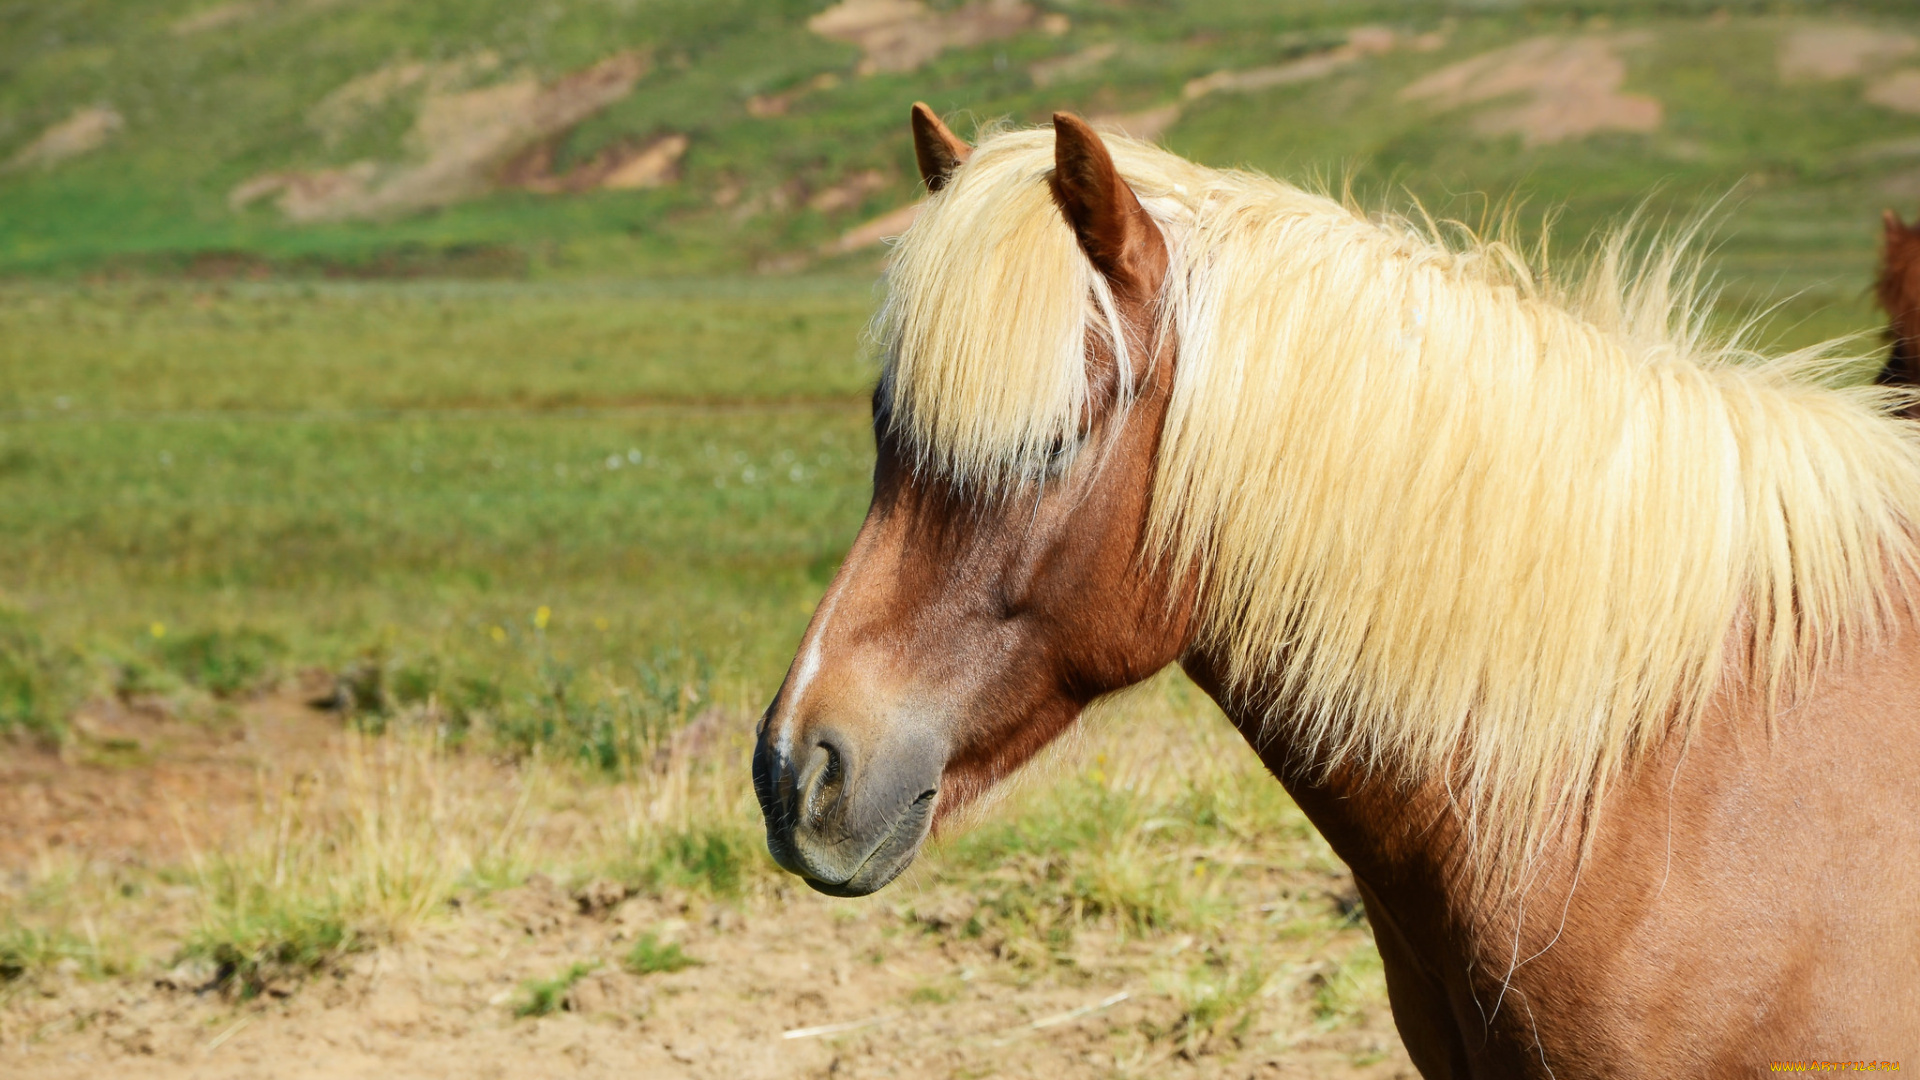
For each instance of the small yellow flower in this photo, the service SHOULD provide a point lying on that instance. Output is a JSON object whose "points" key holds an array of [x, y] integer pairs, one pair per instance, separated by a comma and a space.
{"points": [[498, 633], [158, 630], [600, 623], [542, 615]]}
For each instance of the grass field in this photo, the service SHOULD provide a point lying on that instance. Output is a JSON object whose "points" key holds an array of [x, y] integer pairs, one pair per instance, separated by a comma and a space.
{"points": [[412, 473], [523, 532]]}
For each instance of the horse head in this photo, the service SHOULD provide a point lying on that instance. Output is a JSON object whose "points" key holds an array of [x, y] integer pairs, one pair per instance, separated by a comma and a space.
{"points": [[972, 622]]}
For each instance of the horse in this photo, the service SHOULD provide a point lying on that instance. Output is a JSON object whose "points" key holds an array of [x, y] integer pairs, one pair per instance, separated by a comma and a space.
{"points": [[1898, 290], [1584, 637]]}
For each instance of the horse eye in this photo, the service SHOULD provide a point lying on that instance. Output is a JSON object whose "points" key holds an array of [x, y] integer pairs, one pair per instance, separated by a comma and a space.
{"points": [[1059, 454]]}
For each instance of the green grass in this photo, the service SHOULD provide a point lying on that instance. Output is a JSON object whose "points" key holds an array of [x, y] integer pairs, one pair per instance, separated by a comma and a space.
{"points": [[224, 662], [649, 956], [714, 858], [1348, 986], [265, 942], [1086, 859], [40, 683], [932, 994], [26, 951], [1217, 1000], [362, 353], [545, 997]]}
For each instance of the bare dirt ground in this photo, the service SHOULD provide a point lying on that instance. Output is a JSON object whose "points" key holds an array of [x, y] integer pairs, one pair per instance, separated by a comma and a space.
{"points": [[140, 786], [1570, 88], [903, 35], [85, 131], [786, 984], [1821, 52], [462, 140]]}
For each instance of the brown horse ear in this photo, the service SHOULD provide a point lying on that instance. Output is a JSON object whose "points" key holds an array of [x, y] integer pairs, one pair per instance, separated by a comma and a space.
{"points": [[939, 150], [1895, 227], [1114, 229]]}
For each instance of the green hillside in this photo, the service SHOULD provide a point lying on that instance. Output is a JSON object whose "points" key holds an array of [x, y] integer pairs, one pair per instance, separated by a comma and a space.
{"points": [[657, 137]]}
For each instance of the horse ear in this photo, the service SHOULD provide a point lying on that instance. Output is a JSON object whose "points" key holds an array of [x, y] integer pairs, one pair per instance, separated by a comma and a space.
{"points": [[1114, 229], [939, 150], [1895, 227]]}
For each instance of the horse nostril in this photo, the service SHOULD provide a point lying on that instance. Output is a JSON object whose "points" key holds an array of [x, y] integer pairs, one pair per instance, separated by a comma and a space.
{"points": [[829, 781]]}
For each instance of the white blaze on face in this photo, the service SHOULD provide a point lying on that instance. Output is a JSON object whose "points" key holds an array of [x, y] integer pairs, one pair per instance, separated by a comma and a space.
{"points": [[809, 666]]}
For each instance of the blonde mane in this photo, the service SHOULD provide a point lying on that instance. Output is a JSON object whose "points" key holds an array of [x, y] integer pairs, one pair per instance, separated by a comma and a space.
{"points": [[1470, 526]]}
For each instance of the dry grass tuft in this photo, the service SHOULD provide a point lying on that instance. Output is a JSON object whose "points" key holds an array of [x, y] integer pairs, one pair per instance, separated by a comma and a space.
{"points": [[356, 853]]}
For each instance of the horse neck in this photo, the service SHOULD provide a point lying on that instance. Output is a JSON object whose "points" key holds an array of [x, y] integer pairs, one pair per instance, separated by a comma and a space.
{"points": [[1401, 840], [1410, 857]]}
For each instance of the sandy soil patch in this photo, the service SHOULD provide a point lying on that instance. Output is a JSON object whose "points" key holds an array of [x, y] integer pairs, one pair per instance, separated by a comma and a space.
{"points": [[1045, 73], [903, 35], [1146, 124], [1899, 91], [1568, 88], [849, 192], [141, 785], [1824, 53], [1902, 185], [765, 106], [653, 164], [621, 167], [336, 114], [87, 130], [1362, 42], [871, 233], [463, 140]]}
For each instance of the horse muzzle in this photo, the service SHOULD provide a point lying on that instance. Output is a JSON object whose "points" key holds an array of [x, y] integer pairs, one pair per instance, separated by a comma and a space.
{"points": [[845, 818]]}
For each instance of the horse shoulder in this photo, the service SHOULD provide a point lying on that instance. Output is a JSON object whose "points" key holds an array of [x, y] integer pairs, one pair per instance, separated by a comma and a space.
{"points": [[1756, 890]]}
